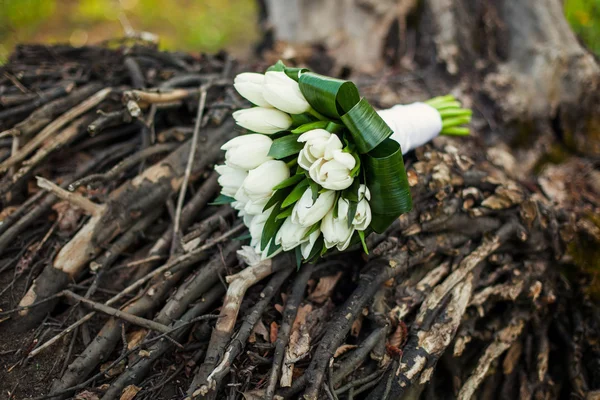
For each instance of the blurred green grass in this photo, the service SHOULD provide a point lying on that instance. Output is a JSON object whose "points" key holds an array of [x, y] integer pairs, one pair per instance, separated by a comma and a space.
{"points": [[190, 25], [584, 17]]}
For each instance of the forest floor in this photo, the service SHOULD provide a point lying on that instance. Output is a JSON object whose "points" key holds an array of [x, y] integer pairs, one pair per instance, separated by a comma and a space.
{"points": [[120, 279]]}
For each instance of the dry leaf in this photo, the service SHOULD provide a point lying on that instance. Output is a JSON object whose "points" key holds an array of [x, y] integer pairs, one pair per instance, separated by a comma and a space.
{"points": [[114, 371], [261, 330], [129, 392], [257, 394], [343, 349], [324, 288], [87, 395], [357, 326], [279, 308], [135, 337], [273, 333]]}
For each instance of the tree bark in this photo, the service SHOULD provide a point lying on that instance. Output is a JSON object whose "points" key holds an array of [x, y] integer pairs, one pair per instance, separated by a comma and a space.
{"points": [[521, 54]]}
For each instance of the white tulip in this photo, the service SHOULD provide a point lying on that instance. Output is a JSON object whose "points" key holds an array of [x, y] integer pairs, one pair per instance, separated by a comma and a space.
{"points": [[284, 93], [333, 174], [307, 213], [247, 151], [260, 181], [362, 218], [335, 230], [263, 120], [290, 235], [307, 247], [230, 179], [318, 143], [257, 224], [255, 207], [250, 86]]}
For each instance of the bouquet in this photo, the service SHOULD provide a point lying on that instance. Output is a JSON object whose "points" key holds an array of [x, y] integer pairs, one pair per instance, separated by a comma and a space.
{"points": [[320, 169]]}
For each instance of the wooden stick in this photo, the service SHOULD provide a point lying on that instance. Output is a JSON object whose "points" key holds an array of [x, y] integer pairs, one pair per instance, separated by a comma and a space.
{"points": [[143, 322], [54, 126], [73, 198]]}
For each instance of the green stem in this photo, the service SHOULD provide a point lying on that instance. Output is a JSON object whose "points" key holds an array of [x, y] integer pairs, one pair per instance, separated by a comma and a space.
{"points": [[455, 131], [452, 122], [317, 115], [453, 112]]}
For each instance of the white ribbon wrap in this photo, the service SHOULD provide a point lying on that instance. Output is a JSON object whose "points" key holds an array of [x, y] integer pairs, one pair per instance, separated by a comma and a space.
{"points": [[413, 124]]}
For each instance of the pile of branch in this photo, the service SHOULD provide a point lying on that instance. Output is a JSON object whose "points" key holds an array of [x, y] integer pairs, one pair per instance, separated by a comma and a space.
{"points": [[117, 272]]}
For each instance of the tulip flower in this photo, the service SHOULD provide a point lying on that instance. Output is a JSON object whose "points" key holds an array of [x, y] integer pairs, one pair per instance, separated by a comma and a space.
{"points": [[362, 218], [318, 143], [256, 227], [260, 181], [307, 247], [250, 86], [283, 93], [247, 151], [307, 213], [290, 235], [334, 174], [263, 120], [335, 230], [255, 207], [230, 179]]}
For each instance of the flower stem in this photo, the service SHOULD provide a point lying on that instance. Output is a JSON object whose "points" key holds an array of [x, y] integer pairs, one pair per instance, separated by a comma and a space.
{"points": [[317, 115]]}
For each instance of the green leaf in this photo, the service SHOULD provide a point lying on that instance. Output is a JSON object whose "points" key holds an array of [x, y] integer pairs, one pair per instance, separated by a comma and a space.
{"points": [[295, 194], [278, 66], [352, 206], [329, 96], [277, 197], [312, 229], [222, 199], [298, 252], [273, 248], [314, 187], [367, 128], [361, 234], [292, 180], [388, 183], [332, 127], [351, 193], [294, 72], [301, 119], [310, 126], [285, 146], [285, 213], [316, 250], [271, 227], [243, 237]]}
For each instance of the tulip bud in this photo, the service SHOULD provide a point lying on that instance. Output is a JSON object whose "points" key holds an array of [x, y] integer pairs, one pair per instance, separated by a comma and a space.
{"points": [[283, 93], [230, 179], [260, 181], [263, 120], [250, 86], [335, 230], [318, 144], [334, 174], [362, 218], [307, 213], [247, 151], [307, 247], [290, 235]]}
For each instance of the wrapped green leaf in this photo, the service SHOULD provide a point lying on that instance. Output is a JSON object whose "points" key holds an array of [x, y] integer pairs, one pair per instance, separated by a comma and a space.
{"points": [[329, 96], [367, 128], [386, 179]]}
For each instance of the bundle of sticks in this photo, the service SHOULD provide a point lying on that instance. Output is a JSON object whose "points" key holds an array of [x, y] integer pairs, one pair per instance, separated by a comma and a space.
{"points": [[121, 279]]}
